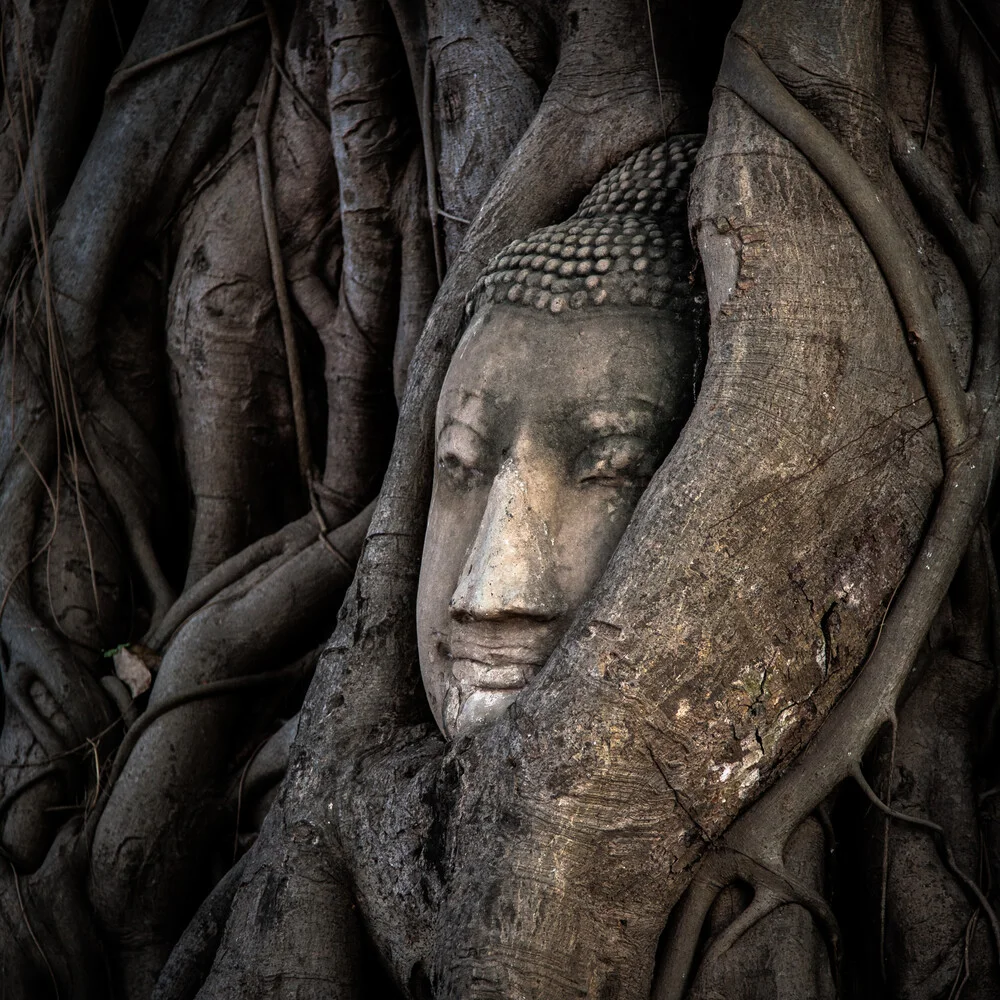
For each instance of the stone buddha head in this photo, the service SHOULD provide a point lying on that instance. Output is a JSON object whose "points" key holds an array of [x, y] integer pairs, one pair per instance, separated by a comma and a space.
{"points": [[571, 382]]}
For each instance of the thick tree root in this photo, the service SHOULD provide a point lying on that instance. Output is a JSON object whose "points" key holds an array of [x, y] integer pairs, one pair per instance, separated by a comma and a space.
{"points": [[970, 454]]}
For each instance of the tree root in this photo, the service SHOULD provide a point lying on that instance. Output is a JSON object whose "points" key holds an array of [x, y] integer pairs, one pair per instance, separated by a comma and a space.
{"points": [[173, 776], [261, 138], [744, 72], [138, 69], [31, 932], [272, 550], [970, 885], [970, 457], [63, 114], [192, 956], [213, 689]]}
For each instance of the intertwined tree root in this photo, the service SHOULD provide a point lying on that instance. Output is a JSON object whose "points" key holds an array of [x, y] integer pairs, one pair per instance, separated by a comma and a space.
{"points": [[753, 849]]}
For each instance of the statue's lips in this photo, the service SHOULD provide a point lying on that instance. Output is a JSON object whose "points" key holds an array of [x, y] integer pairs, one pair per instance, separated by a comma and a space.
{"points": [[489, 656], [472, 674]]}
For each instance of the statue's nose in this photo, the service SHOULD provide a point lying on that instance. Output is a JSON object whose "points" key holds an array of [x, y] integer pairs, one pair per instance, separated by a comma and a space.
{"points": [[510, 571]]}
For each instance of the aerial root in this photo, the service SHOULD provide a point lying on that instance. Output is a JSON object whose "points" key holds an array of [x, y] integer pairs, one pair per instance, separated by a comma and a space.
{"points": [[772, 888], [138, 69], [31, 932], [970, 885], [265, 179], [833, 754], [122, 494], [17, 694], [192, 956], [45, 771], [747, 75], [278, 547], [262, 144]]}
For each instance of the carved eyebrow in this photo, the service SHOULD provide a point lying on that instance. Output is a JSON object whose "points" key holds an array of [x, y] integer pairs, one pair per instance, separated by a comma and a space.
{"points": [[450, 422], [466, 411]]}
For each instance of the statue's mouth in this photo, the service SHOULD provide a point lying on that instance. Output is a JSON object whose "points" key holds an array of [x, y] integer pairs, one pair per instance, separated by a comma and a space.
{"points": [[491, 676], [497, 662], [489, 664]]}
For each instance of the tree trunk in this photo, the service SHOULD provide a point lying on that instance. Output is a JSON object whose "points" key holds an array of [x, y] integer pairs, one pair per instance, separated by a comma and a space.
{"points": [[236, 245]]}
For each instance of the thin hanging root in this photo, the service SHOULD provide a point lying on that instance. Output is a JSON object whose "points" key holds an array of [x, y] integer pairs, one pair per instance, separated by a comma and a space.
{"points": [[884, 893], [970, 453], [131, 72], [31, 932], [57, 765], [239, 795], [962, 973], [262, 142], [64, 406], [946, 853], [120, 493], [430, 162], [279, 65]]}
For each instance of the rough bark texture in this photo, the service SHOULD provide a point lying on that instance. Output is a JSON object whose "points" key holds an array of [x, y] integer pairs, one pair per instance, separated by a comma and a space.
{"points": [[235, 245]]}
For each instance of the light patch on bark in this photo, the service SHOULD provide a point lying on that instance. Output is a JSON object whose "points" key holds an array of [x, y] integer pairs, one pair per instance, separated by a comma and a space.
{"points": [[721, 259]]}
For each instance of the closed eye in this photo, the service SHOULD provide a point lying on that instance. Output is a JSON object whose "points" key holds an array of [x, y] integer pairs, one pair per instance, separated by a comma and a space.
{"points": [[617, 459], [462, 454]]}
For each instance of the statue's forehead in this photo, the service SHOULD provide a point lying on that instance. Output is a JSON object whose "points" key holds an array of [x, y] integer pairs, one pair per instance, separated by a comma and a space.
{"points": [[508, 355]]}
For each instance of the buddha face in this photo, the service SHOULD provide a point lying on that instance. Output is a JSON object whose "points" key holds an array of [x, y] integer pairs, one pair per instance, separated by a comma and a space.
{"points": [[548, 429]]}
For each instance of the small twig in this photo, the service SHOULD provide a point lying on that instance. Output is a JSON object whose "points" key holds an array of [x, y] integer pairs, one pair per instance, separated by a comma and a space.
{"points": [[656, 66], [885, 851], [945, 848], [261, 136], [930, 103], [137, 69], [430, 163], [31, 932], [454, 218], [97, 772], [239, 793]]}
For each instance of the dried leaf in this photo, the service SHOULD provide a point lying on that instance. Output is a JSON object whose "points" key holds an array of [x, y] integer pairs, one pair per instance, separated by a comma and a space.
{"points": [[134, 666]]}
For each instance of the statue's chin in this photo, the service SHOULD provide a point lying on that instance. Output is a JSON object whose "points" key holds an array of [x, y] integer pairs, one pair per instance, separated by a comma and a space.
{"points": [[464, 714]]}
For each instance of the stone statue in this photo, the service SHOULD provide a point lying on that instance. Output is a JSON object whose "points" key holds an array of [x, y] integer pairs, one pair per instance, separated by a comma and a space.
{"points": [[573, 378]]}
